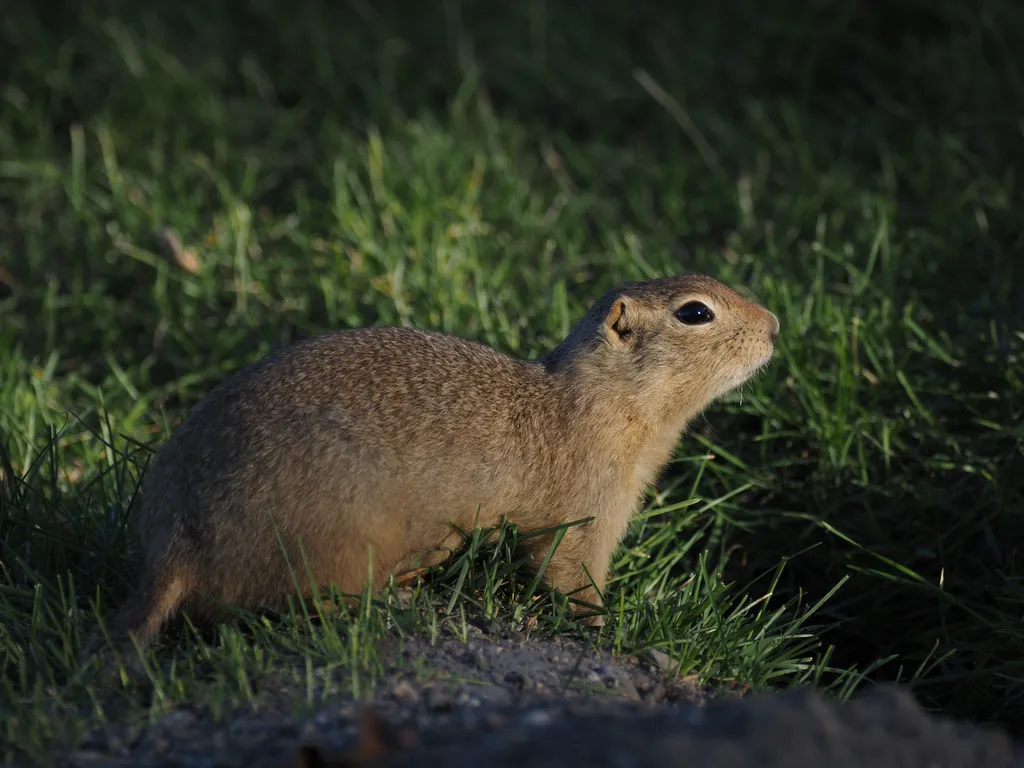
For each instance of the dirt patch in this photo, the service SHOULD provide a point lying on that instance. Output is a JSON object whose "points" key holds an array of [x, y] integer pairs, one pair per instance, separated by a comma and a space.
{"points": [[471, 684], [514, 701]]}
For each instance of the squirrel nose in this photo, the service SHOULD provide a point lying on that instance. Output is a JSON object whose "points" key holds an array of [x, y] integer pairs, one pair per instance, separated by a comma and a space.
{"points": [[773, 329]]}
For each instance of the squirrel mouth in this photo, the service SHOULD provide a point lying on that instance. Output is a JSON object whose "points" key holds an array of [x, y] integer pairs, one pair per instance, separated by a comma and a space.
{"points": [[765, 360], [756, 367]]}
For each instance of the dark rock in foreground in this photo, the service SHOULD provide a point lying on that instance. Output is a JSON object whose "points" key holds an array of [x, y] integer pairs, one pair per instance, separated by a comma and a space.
{"points": [[797, 729]]}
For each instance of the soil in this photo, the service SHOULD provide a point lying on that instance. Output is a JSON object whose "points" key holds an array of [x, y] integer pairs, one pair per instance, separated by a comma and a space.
{"points": [[517, 701]]}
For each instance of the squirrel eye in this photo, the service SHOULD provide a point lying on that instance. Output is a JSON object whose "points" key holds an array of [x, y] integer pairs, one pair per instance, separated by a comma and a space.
{"points": [[695, 313]]}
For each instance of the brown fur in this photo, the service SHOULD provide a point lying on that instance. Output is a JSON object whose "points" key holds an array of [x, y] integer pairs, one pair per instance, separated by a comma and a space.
{"points": [[374, 439]]}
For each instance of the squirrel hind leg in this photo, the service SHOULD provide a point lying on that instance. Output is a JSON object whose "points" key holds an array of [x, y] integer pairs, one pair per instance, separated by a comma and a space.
{"points": [[142, 616]]}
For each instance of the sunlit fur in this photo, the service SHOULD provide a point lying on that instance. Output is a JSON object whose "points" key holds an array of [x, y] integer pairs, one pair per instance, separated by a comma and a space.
{"points": [[373, 440]]}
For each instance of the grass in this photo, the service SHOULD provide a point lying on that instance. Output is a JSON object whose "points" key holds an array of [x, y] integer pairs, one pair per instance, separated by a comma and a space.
{"points": [[852, 515]]}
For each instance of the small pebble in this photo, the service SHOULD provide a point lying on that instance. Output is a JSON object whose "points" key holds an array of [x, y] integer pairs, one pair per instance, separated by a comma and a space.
{"points": [[674, 692], [660, 659], [617, 679], [439, 699], [655, 692], [405, 692]]}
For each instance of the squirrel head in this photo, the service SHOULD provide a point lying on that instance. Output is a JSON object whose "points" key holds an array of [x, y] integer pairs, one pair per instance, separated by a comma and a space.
{"points": [[669, 346]]}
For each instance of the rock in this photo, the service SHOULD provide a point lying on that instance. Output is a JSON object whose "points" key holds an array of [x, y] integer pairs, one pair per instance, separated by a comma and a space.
{"points": [[682, 691], [654, 692], [660, 659], [797, 729], [616, 678], [405, 692], [438, 700]]}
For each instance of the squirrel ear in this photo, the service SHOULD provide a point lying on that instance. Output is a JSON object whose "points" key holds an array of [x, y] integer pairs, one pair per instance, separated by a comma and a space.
{"points": [[618, 322]]}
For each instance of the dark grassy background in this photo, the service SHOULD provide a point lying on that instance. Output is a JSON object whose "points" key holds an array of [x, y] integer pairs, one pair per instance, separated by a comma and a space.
{"points": [[488, 170]]}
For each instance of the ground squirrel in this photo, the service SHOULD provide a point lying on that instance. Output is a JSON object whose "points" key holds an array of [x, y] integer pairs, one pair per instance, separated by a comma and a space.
{"points": [[378, 439]]}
